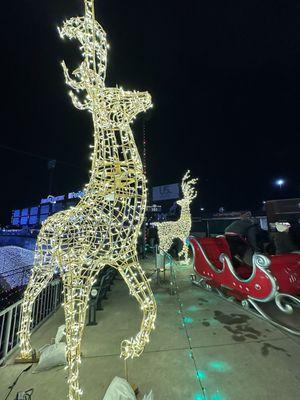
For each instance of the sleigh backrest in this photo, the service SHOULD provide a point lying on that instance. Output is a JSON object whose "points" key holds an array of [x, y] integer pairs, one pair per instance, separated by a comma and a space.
{"points": [[214, 247], [223, 245]]}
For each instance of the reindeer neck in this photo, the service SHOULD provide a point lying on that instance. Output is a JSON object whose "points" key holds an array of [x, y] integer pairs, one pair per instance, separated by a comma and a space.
{"points": [[185, 208], [115, 152]]}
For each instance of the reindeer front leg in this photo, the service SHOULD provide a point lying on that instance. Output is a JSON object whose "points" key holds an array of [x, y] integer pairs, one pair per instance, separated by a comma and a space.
{"points": [[139, 287], [185, 250]]}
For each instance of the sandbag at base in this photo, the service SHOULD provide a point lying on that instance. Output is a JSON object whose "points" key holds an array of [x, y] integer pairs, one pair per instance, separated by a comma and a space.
{"points": [[52, 356], [120, 389], [61, 332]]}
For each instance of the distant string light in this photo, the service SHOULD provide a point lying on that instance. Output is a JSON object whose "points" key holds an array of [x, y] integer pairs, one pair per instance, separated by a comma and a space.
{"points": [[15, 265]]}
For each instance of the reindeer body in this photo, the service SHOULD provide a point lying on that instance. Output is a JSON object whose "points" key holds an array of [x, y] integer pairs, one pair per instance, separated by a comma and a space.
{"points": [[103, 227], [170, 230]]}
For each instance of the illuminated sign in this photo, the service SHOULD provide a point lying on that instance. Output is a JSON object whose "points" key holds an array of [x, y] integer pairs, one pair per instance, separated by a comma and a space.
{"points": [[165, 192], [76, 195], [53, 199]]}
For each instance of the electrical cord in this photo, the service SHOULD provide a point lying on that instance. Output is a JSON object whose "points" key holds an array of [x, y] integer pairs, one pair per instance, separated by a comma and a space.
{"points": [[16, 380], [41, 157]]}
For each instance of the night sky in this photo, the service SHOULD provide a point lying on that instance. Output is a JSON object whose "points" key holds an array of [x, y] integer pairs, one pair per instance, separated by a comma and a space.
{"points": [[225, 82]]}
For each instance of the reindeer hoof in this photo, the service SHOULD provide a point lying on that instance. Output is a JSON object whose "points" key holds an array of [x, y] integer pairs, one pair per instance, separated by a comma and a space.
{"points": [[31, 357], [129, 349], [126, 349]]}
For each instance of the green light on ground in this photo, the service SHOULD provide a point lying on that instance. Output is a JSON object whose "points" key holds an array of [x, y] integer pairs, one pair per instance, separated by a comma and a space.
{"points": [[193, 309], [188, 320], [198, 396], [217, 396], [219, 366], [201, 374]]}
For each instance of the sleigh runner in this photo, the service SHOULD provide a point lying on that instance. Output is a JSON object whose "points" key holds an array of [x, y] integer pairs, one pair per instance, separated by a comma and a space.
{"points": [[271, 280]]}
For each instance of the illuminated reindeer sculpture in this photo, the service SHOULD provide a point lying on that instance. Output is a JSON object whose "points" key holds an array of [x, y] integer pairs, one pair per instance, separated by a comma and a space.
{"points": [[170, 230], [103, 228]]}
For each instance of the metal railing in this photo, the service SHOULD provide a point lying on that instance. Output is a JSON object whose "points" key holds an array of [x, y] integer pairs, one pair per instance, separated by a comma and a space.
{"points": [[45, 305]]}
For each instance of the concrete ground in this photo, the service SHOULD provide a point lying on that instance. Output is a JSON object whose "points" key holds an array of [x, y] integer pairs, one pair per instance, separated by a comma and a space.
{"points": [[203, 348]]}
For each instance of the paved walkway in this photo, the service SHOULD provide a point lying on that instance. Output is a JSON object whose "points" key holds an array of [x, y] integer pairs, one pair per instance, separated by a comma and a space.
{"points": [[203, 348]]}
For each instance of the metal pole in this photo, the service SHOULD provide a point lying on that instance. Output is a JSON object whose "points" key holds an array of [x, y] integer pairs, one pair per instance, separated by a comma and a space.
{"points": [[156, 263], [126, 369], [50, 180]]}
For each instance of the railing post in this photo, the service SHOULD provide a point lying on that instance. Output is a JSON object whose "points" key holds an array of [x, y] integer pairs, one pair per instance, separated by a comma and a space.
{"points": [[7, 332], [55, 296]]}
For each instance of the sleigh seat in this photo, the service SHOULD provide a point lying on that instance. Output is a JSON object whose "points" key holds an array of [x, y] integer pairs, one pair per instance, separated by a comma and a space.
{"points": [[216, 246]]}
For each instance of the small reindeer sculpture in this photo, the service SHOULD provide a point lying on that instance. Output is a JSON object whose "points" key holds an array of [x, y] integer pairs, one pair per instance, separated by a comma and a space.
{"points": [[103, 227], [170, 230]]}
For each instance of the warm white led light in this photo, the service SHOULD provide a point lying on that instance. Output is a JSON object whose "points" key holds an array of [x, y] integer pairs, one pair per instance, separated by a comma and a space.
{"points": [[103, 228], [170, 230]]}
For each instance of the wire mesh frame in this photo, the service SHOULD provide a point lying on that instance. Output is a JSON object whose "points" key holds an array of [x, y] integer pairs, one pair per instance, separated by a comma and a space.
{"points": [[102, 229]]}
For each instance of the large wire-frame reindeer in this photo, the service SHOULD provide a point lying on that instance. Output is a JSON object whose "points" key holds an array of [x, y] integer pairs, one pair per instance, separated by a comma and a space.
{"points": [[103, 227], [170, 230]]}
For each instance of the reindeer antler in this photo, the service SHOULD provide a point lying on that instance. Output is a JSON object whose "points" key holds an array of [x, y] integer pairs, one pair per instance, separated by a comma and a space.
{"points": [[187, 186]]}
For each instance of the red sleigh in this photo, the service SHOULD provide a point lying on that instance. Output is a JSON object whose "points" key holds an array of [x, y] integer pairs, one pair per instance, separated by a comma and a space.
{"points": [[272, 279]]}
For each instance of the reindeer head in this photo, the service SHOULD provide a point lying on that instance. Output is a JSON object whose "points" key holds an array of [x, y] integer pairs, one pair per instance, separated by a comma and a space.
{"points": [[122, 106], [188, 190], [113, 106]]}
